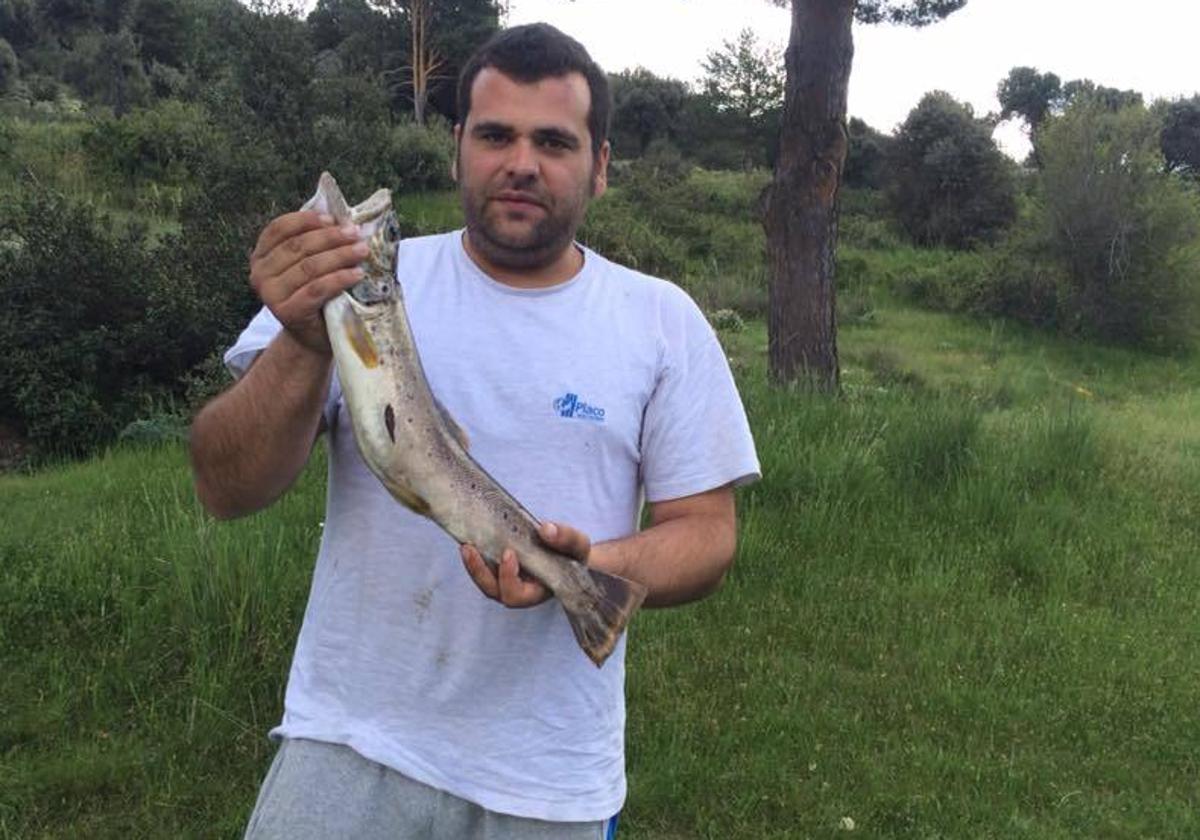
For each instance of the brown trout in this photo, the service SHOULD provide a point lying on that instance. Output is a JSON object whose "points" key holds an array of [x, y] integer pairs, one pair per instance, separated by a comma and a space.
{"points": [[420, 454]]}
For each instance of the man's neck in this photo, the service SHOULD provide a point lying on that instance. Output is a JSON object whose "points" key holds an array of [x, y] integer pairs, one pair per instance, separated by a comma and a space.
{"points": [[565, 266]]}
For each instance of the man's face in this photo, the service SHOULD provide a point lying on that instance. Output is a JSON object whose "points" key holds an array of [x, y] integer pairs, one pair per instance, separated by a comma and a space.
{"points": [[525, 167]]}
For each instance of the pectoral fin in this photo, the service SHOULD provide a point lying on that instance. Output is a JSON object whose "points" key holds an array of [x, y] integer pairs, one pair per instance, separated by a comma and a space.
{"points": [[360, 339], [408, 498]]}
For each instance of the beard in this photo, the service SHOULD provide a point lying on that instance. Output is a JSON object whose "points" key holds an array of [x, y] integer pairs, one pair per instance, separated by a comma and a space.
{"points": [[509, 242]]}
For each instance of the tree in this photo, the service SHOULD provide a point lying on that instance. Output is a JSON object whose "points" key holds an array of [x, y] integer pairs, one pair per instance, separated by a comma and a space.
{"points": [[866, 156], [746, 81], [950, 185], [441, 35], [1111, 98], [645, 108], [1180, 137], [9, 67], [1030, 95], [1123, 232], [18, 24], [801, 206]]}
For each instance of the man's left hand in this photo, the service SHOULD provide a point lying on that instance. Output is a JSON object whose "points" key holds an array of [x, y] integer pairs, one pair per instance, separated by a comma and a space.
{"points": [[508, 584]]}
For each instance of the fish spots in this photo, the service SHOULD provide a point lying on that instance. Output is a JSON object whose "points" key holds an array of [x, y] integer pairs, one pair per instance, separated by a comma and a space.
{"points": [[360, 340], [389, 420], [443, 659]]}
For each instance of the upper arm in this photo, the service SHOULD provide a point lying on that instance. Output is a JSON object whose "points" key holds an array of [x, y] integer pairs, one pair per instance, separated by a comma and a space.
{"points": [[716, 504]]}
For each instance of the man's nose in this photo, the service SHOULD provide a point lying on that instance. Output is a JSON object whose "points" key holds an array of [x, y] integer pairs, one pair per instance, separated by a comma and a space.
{"points": [[522, 160]]}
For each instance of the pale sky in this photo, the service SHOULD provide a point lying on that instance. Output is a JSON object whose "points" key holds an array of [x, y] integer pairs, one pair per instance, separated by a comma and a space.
{"points": [[1149, 46]]}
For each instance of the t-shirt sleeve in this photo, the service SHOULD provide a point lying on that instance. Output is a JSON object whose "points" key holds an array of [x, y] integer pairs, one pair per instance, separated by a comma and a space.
{"points": [[260, 332], [695, 436]]}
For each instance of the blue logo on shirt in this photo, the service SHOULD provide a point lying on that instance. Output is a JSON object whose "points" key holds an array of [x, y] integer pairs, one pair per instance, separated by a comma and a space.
{"points": [[569, 405]]}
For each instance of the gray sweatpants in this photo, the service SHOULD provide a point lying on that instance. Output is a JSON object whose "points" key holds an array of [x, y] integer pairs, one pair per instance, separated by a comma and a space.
{"points": [[320, 791]]}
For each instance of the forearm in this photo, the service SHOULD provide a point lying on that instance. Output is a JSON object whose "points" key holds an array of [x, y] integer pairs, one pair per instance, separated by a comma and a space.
{"points": [[250, 443], [678, 560]]}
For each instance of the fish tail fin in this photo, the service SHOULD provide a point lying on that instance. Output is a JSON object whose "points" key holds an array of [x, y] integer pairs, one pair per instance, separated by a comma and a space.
{"points": [[600, 614]]}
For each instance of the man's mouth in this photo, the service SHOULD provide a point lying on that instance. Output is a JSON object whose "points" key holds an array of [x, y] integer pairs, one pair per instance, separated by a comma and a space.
{"points": [[517, 200]]}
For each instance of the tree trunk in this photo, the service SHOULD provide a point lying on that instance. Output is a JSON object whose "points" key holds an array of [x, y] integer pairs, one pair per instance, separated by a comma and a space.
{"points": [[418, 19], [801, 211]]}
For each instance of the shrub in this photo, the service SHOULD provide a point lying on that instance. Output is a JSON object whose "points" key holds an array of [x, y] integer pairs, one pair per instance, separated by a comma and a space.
{"points": [[98, 324], [166, 143], [950, 185], [417, 157]]}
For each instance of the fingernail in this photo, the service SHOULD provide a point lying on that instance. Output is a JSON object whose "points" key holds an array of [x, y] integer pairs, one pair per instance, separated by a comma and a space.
{"points": [[326, 219], [350, 230], [360, 249], [549, 530]]}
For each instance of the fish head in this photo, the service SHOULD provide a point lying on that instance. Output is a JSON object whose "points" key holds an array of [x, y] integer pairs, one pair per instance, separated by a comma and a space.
{"points": [[376, 221], [378, 284]]}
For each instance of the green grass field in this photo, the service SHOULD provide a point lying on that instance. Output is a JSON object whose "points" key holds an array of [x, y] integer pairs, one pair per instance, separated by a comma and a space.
{"points": [[964, 606]]}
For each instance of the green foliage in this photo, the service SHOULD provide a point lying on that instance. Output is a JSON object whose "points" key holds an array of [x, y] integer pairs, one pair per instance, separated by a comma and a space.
{"points": [[1030, 95], [950, 184], [726, 320], [645, 108], [165, 143], [746, 81], [1123, 233], [1181, 136], [913, 13], [418, 157], [10, 69], [98, 323], [866, 157], [106, 68]]}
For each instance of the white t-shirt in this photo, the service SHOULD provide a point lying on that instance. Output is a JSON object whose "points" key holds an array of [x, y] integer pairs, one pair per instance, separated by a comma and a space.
{"points": [[576, 399]]}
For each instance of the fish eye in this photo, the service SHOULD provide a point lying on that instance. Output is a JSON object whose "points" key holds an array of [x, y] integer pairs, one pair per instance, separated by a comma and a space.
{"points": [[392, 228]]}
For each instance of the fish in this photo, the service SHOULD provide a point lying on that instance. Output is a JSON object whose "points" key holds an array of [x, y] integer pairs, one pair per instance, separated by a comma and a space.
{"points": [[421, 455]]}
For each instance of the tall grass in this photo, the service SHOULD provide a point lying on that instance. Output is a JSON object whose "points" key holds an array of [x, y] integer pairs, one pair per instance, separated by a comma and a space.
{"points": [[951, 615]]}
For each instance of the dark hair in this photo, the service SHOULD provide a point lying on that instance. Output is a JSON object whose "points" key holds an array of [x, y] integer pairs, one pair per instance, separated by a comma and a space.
{"points": [[534, 52]]}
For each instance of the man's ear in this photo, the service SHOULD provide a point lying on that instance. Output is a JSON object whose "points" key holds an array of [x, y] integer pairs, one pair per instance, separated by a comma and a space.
{"points": [[454, 160], [600, 171]]}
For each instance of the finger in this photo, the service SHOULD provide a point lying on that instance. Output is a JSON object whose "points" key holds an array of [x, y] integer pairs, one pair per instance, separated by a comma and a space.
{"points": [[307, 301], [288, 226], [480, 572], [565, 539], [315, 266], [517, 590], [303, 258]]}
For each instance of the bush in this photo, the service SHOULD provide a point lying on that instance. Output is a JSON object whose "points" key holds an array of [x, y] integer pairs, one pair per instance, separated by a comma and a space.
{"points": [[98, 324], [417, 157], [166, 143], [950, 185]]}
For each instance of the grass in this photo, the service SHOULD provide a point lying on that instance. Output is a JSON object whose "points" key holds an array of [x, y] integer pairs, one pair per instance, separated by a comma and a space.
{"points": [[965, 605]]}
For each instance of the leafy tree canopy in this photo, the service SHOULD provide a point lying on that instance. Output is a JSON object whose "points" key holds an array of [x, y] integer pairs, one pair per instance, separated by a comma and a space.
{"points": [[1181, 136], [646, 107], [951, 184], [913, 13]]}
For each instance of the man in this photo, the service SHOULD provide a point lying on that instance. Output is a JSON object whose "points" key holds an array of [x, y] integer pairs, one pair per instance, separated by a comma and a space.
{"points": [[416, 708]]}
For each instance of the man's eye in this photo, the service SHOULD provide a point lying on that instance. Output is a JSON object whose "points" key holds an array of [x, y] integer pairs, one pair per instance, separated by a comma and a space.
{"points": [[494, 138], [555, 143]]}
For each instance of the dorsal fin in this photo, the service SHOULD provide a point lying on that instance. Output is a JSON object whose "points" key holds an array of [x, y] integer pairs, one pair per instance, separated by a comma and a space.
{"points": [[452, 426]]}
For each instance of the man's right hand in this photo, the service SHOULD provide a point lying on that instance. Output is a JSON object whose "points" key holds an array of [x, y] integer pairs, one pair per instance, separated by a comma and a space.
{"points": [[302, 260]]}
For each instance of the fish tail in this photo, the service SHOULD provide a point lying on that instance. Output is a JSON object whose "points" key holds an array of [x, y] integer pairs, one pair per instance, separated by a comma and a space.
{"points": [[601, 612]]}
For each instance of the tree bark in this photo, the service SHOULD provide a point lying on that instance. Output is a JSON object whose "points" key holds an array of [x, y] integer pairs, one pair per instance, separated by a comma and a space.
{"points": [[801, 206]]}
